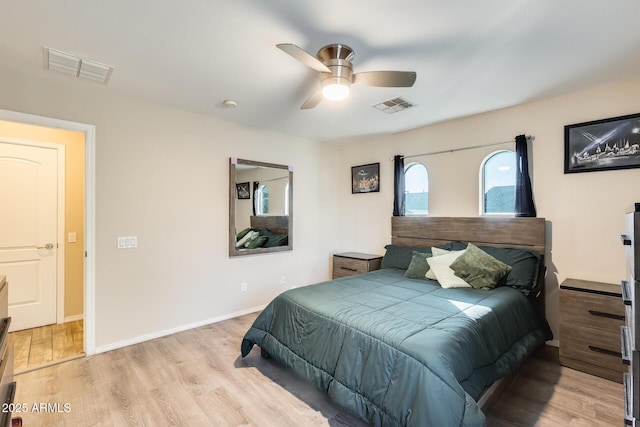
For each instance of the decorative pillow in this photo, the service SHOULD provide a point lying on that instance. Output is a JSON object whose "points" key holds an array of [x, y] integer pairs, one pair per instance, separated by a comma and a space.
{"points": [[525, 265], [256, 242], [455, 245], [248, 236], [400, 256], [277, 240], [243, 233], [479, 269], [444, 274], [419, 266], [436, 252]]}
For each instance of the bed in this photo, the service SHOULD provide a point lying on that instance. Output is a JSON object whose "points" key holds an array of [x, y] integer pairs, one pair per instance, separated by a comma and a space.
{"points": [[399, 351]]}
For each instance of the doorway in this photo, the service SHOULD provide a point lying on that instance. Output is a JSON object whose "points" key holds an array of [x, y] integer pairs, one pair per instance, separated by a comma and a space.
{"points": [[87, 234]]}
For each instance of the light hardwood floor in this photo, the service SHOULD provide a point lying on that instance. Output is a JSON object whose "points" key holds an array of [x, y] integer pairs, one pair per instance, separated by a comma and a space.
{"points": [[545, 394], [197, 378], [37, 347]]}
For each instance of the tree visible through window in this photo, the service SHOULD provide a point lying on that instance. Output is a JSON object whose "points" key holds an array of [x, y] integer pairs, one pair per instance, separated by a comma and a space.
{"points": [[498, 181], [416, 189]]}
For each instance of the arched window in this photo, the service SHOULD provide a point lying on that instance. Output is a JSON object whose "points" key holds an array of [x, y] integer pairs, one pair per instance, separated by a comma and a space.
{"points": [[498, 183], [416, 189], [262, 200]]}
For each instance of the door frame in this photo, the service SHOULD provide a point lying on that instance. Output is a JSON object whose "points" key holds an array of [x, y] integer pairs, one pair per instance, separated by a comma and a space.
{"points": [[89, 210], [60, 224]]}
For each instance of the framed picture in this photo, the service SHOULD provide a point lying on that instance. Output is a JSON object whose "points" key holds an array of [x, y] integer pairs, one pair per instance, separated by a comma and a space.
{"points": [[602, 144], [365, 178], [243, 190]]}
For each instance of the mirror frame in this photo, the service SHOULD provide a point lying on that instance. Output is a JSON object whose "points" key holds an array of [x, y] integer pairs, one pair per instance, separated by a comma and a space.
{"points": [[233, 252]]}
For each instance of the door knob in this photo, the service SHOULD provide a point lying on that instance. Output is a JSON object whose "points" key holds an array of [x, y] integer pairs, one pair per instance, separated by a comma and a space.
{"points": [[48, 246]]}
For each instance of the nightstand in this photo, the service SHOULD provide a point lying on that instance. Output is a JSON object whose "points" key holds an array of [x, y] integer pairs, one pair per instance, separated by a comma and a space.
{"points": [[351, 263], [591, 314]]}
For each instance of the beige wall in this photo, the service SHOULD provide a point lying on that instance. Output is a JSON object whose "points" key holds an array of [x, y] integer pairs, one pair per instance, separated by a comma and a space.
{"points": [[162, 175], [74, 204], [584, 211]]}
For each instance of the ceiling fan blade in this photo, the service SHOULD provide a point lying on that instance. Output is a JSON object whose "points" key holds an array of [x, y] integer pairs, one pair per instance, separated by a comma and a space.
{"points": [[312, 101], [303, 56], [385, 78]]}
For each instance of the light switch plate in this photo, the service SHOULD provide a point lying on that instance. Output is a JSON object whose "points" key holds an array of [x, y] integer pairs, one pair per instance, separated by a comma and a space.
{"points": [[72, 237], [127, 242]]}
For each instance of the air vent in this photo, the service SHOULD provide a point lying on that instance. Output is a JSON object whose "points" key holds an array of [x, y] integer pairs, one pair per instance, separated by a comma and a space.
{"points": [[69, 64], [393, 105]]}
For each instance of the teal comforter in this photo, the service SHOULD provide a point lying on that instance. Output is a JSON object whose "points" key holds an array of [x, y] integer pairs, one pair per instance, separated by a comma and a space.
{"points": [[396, 351]]}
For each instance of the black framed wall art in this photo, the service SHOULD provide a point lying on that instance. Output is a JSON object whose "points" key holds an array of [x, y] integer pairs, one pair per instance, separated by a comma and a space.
{"points": [[365, 178], [600, 145]]}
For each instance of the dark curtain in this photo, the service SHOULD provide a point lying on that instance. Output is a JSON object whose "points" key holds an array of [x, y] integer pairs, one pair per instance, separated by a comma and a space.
{"points": [[398, 186], [256, 185], [524, 195]]}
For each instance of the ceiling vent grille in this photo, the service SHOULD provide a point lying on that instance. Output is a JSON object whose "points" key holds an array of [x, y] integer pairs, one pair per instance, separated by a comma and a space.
{"points": [[394, 105], [72, 65]]}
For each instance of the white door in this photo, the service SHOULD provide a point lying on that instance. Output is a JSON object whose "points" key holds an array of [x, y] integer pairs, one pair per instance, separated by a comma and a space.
{"points": [[28, 230]]}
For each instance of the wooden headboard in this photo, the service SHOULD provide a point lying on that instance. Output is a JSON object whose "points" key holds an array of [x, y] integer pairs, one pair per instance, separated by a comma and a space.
{"points": [[277, 224], [525, 233]]}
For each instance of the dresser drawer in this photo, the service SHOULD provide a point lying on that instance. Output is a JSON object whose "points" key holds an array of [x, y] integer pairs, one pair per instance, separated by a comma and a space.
{"points": [[630, 291], [594, 346], [631, 382], [351, 263], [594, 311], [349, 266], [632, 248]]}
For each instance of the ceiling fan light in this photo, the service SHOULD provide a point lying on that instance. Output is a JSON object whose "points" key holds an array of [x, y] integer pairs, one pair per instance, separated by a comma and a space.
{"points": [[335, 88]]}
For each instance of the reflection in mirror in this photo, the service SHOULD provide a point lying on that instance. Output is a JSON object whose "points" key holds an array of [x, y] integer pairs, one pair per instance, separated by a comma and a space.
{"points": [[260, 200]]}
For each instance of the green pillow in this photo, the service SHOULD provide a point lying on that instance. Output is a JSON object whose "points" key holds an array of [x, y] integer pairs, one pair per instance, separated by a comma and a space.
{"points": [[275, 240], [419, 266], [399, 256], [258, 242], [479, 269], [524, 263], [241, 234]]}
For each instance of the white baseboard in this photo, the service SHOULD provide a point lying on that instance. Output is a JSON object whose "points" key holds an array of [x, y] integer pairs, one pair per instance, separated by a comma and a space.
{"points": [[74, 318], [553, 343], [154, 335]]}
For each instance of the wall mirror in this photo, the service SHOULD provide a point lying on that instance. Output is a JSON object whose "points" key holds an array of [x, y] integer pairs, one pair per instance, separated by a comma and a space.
{"points": [[260, 207]]}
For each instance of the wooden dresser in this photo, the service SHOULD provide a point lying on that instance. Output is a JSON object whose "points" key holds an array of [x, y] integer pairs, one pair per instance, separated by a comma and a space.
{"points": [[630, 333], [7, 385], [591, 314], [350, 263]]}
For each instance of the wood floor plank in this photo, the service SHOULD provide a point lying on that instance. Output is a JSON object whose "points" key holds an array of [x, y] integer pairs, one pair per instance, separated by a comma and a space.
{"points": [[47, 345], [21, 347], [197, 377]]}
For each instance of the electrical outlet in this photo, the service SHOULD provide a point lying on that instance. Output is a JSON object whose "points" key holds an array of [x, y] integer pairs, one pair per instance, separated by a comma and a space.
{"points": [[283, 280], [243, 287]]}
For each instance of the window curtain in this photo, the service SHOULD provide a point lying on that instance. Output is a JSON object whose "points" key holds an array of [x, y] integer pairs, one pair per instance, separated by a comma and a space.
{"points": [[398, 186], [524, 196], [256, 186]]}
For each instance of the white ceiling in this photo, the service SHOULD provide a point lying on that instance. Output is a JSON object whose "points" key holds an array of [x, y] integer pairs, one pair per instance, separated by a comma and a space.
{"points": [[470, 56]]}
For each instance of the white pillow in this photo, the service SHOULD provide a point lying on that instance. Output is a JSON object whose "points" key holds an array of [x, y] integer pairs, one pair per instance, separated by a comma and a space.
{"points": [[250, 235], [435, 252], [445, 275]]}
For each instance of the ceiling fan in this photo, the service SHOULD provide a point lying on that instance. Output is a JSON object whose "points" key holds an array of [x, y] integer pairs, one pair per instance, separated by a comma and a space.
{"points": [[333, 62]]}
